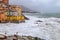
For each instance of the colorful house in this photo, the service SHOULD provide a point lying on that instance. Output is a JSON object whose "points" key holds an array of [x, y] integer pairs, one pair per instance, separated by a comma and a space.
{"points": [[10, 13], [5, 1]]}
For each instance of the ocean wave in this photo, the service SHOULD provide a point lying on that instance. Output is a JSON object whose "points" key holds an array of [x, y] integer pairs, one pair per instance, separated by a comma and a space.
{"points": [[46, 28]]}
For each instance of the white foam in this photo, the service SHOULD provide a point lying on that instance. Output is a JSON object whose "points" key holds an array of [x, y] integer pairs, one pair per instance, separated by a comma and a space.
{"points": [[49, 29]]}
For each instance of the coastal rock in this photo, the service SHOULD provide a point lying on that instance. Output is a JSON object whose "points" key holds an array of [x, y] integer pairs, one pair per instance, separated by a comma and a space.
{"points": [[39, 21], [17, 37], [26, 18], [3, 36]]}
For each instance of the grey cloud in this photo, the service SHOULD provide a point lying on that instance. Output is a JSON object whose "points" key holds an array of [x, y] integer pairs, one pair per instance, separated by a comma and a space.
{"points": [[39, 5]]}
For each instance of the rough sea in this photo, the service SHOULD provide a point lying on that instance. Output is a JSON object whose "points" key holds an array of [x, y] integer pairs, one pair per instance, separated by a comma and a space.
{"points": [[48, 29], [44, 15]]}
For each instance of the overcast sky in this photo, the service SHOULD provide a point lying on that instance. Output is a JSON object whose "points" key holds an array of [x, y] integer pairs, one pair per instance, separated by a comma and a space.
{"points": [[43, 6]]}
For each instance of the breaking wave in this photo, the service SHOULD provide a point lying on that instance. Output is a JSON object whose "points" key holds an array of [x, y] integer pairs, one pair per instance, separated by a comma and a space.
{"points": [[45, 28]]}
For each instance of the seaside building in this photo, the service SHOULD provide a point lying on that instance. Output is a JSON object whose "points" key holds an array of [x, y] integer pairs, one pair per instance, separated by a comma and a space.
{"points": [[5, 1]]}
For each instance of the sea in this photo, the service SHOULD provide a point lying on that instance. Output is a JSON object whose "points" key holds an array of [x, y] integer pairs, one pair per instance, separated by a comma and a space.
{"points": [[44, 15], [48, 29], [50, 25]]}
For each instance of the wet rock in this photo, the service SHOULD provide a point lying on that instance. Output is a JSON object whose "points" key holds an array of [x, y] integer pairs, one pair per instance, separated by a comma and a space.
{"points": [[36, 38], [39, 21], [2, 37], [26, 18], [16, 37]]}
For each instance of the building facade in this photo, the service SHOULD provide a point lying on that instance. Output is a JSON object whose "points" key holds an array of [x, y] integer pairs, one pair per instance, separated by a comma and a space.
{"points": [[5, 1]]}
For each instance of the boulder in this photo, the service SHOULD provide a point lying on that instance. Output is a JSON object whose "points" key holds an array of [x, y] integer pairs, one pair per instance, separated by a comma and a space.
{"points": [[39, 21], [2, 36], [26, 18]]}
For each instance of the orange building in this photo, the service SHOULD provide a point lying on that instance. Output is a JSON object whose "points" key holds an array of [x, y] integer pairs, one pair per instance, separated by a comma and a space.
{"points": [[5, 1], [3, 6]]}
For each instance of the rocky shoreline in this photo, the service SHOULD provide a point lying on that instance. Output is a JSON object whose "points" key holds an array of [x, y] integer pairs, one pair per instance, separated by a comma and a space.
{"points": [[17, 37]]}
